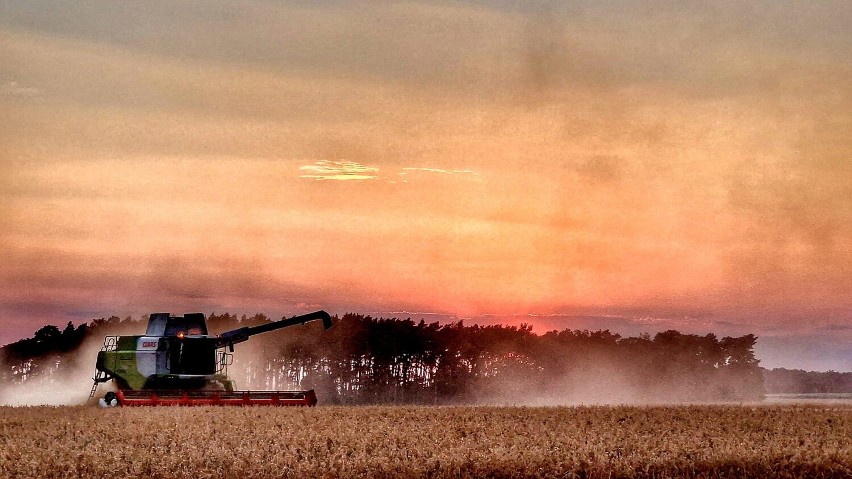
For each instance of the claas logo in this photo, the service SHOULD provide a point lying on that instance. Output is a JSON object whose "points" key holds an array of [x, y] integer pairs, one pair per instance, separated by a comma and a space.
{"points": [[149, 344]]}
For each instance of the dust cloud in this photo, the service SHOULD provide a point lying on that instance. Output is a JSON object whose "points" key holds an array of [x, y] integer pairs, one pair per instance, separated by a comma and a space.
{"points": [[604, 385], [67, 383]]}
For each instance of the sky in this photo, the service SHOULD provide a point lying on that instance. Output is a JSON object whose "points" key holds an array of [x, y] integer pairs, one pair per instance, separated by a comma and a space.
{"points": [[633, 166]]}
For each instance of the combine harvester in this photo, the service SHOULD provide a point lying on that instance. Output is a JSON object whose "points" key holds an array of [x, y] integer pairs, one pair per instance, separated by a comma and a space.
{"points": [[177, 363]]}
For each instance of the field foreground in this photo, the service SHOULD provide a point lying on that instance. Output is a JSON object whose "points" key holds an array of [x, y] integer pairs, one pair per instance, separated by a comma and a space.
{"points": [[683, 441]]}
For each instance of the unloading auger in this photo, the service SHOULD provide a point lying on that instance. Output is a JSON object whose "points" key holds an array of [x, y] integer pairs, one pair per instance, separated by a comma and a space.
{"points": [[177, 363]]}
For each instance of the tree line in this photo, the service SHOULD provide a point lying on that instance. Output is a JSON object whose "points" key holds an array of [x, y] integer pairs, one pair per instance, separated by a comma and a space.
{"points": [[366, 360], [797, 381]]}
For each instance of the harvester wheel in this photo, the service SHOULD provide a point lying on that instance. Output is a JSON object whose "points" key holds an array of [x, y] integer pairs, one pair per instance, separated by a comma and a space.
{"points": [[111, 399]]}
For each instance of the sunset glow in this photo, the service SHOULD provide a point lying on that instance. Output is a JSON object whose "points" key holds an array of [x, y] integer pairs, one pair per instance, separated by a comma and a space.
{"points": [[643, 169]]}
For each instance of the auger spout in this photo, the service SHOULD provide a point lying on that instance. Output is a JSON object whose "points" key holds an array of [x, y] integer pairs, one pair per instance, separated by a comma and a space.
{"points": [[230, 338]]}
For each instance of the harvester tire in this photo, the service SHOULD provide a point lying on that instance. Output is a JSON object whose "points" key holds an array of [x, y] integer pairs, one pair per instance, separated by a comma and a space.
{"points": [[111, 399]]}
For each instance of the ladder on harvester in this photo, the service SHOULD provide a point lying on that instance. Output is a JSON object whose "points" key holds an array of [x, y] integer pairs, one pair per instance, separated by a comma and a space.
{"points": [[223, 360], [102, 376]]}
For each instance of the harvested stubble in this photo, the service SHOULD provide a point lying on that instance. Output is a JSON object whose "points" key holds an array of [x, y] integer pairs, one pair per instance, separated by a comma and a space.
{"points": [[683, 441]]}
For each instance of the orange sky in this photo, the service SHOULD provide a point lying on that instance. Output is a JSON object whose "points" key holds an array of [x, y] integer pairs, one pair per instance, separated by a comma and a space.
{"points": [[679, 167]]}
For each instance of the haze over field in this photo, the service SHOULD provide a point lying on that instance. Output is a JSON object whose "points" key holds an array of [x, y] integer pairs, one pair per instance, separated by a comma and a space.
{"points": [[638, 167]]}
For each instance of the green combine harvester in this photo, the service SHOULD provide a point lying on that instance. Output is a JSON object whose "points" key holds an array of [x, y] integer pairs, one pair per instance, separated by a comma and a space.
{"points": [[177, 363]]}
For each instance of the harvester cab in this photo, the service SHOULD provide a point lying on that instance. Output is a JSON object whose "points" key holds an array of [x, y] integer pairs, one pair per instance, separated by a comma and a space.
{"points": [[177, 362]]}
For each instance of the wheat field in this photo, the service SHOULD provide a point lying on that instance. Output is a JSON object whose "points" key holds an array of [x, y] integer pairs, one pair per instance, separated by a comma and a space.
{"points": [[435, 442]]}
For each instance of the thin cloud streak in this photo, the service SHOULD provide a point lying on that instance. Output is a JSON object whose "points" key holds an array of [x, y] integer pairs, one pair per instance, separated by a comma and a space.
{"points": [[439, 170], [339, 170]]}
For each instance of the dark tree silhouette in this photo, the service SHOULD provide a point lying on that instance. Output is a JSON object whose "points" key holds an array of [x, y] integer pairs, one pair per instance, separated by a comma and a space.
{"points": [[780, 380]]}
